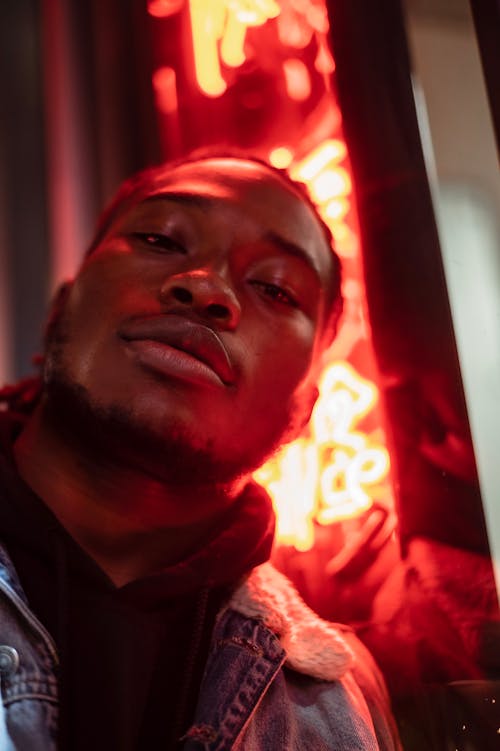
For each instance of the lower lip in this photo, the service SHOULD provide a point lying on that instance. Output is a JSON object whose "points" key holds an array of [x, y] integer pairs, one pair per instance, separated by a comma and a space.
{"points": [[171, 362]]}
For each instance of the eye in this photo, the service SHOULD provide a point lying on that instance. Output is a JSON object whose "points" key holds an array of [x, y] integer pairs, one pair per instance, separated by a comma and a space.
{"points": [[160, 243], [275, 293]]}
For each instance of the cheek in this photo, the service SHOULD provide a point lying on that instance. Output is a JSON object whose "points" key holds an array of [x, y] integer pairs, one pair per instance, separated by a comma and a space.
{"points": [[278, 364], [86, 322], [87, 329], [104, 291], [286, 352]]}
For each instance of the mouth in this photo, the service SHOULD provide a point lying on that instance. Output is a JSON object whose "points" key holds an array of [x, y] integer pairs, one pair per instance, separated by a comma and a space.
{"points": [[181, 347]]}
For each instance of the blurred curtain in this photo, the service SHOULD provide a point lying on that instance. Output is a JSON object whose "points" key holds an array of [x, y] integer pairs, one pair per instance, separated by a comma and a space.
{"points": [[23, 209], [99, 112], [77, 117]]}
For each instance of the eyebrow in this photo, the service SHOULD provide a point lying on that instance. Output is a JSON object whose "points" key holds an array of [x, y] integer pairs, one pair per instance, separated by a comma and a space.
{"points": [[291, 249], [204, 202]]}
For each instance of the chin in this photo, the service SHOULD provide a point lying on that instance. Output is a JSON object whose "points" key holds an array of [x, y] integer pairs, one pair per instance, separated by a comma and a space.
{"points": [[164, 448], [162, 436]]}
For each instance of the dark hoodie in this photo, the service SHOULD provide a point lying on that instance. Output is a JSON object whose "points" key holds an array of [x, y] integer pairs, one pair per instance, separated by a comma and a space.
{"points": [[131, 657]]}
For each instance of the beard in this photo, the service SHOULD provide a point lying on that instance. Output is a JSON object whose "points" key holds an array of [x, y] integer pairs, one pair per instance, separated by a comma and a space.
{"points": [[114, 434], [176, 456]]}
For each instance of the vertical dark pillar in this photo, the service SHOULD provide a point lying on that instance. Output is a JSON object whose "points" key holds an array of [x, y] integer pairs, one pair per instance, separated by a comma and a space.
{"points": [[22, 166], [433, 462], [486, 14]]}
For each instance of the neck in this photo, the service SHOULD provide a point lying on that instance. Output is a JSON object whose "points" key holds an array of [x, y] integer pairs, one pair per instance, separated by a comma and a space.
{"points": [[131, 523]]}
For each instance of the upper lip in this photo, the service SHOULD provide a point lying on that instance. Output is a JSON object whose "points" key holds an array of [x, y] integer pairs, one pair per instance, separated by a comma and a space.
{"points": [[189, 336]]}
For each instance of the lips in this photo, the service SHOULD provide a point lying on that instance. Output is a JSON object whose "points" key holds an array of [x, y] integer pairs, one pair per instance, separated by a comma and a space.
{"points": [[187, 336]]}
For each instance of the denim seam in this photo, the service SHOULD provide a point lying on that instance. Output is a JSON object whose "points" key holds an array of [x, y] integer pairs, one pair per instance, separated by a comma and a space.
{"points": [[259, 700], [22, 697], [34, 623]]}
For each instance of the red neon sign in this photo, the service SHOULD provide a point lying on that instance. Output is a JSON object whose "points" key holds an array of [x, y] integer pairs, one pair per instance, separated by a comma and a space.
{"points": [[333, 473]]}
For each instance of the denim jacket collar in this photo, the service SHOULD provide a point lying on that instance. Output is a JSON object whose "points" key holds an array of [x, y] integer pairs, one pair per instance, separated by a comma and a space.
{"points": [[313, 646], [264, 627]]}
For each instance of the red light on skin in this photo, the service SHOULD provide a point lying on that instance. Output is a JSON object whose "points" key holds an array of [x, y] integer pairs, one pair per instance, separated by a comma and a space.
{"points": [[297, 80], [280, 157], [165, 88], [164, 8]]}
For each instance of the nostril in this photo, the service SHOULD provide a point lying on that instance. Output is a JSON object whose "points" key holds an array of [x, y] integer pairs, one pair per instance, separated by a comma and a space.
{"points": [[181, 294], [218, 311]]}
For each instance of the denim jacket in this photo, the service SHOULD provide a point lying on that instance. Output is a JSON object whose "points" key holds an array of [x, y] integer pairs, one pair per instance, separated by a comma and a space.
{"points": [[277, 677]]}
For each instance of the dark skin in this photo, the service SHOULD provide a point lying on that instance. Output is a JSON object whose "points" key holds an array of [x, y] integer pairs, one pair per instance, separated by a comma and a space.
{"points": [[170, 430]]}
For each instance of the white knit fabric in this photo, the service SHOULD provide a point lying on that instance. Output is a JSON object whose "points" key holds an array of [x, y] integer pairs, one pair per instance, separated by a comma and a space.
{"points": [[312, 645]]}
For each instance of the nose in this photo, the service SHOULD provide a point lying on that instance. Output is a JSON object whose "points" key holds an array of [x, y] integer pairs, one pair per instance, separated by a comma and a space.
{"points": [[204, 292]]}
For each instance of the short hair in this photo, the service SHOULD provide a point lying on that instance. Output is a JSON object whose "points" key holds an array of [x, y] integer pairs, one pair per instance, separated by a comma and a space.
{"points": [[141, 183]]}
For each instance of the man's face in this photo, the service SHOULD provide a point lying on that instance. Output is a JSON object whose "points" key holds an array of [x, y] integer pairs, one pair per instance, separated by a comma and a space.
{"points": [[196, 321]]}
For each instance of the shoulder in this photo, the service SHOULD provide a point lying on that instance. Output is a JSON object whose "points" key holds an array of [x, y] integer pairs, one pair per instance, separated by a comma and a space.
{"points": [[312, 646], [317, 648]]}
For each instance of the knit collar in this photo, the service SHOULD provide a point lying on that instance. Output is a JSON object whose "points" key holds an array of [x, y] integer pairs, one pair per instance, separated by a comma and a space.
{"points": [[313, 646]]}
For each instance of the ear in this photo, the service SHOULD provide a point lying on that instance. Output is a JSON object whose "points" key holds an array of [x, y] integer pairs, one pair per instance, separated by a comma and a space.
{"points": [[55, 309]]}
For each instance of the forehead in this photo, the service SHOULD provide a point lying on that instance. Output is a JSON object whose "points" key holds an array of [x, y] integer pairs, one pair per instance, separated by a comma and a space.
{"points": [[245, 196], [228, 180]]}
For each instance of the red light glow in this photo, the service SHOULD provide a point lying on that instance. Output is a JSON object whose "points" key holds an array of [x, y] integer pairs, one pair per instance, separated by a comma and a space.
{"points": [[332, 150], [281, 157], [330, 187], [164, 8], [224, 23], [207, 25], [253, 12], [231, 49], [164, 85], [335, 470], [292, 33], [336, 210], [331, 183], [324, 62], [332, 474], [335, 473], [297, 80], [346, 241], [299, 20]]}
